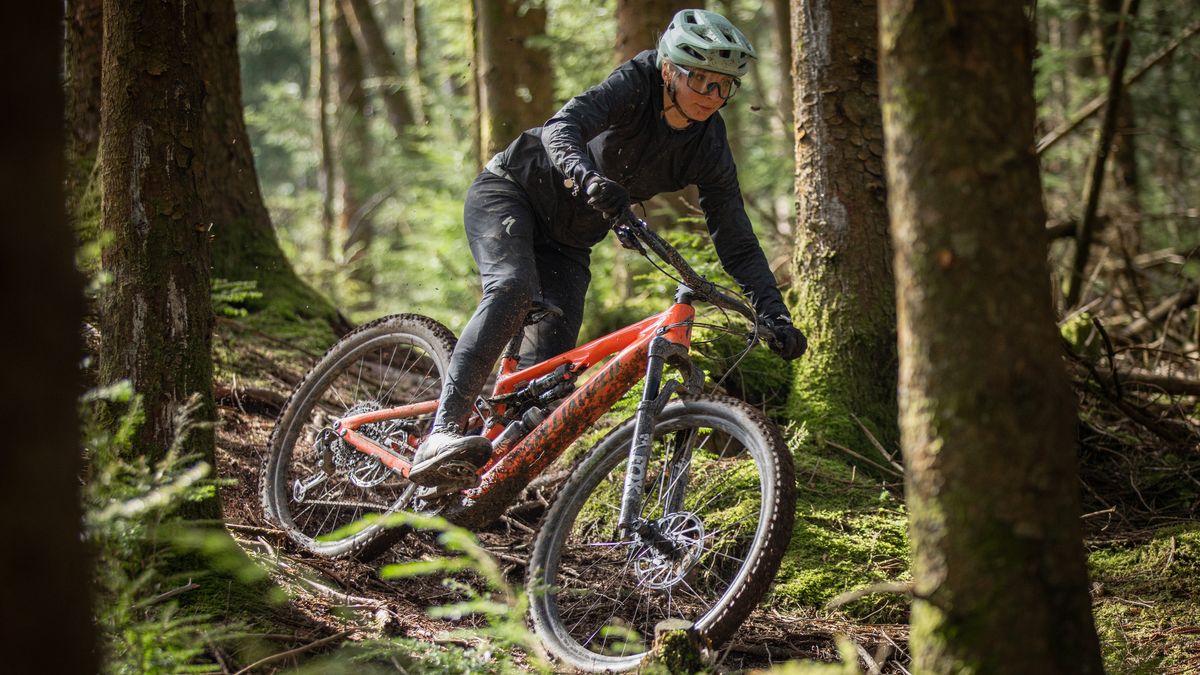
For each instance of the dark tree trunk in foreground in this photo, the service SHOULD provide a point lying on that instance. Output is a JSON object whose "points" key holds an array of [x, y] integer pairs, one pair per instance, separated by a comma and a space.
{"points": [[508, 70], [46, 611], [843, 256], [84, 33], [156, 320], [987, 416], [244, 245], [372, 44]]}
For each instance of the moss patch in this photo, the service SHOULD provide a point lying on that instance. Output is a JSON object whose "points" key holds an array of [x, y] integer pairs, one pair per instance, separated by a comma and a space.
{"points": [[1147, 602], [850, 533]]}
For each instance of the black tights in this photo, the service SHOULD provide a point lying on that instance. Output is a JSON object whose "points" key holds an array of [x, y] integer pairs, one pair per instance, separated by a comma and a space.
{"points": [[517, 265]]}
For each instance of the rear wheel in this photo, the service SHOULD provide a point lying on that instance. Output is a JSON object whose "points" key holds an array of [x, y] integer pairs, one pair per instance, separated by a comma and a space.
{"points": [[720, 490], [314, 484]]}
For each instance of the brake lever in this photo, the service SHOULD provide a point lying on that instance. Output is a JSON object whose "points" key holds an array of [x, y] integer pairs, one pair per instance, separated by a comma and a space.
{"points": [[623, 225]]}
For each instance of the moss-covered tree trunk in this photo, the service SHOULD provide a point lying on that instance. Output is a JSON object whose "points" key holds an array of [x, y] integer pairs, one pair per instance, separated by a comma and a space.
{"points": [[84, 33], [46, 612], [987, 415], [845, 297], [244, 245], [507, 65], [156, 319]]}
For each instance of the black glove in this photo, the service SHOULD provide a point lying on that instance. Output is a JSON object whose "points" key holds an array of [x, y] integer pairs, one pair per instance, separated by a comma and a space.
{"points": [[787, 340], [604, 195]]}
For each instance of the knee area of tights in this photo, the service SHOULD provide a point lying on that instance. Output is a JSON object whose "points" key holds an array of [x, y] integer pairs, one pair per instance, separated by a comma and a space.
{"points": [[514, 290]]}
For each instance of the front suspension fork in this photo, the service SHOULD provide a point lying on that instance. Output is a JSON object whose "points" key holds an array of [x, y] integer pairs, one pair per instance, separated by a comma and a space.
{"points": [[654, 399]]}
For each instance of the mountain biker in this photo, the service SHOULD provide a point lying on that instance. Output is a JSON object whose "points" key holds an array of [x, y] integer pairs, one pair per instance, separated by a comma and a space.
{"points": [[538, 207]]}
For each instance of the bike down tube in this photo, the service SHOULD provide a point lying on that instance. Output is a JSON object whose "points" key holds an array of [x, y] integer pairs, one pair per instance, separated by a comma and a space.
{"points": [[504, 481]]}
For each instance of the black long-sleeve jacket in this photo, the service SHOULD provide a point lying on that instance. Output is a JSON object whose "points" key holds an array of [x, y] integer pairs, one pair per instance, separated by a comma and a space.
{"points": [[617, 128]]}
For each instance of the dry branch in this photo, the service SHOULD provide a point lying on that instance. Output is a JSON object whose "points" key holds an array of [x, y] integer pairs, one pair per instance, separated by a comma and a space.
{"points": [[1083, 238], [1051, 139]]}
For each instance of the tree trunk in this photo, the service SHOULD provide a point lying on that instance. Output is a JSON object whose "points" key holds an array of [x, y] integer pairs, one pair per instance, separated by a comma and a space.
{"points": [[1124, 171], [987, 416], [84, 33], [244, 245], [781, 13], [515, 85], [156, 321], [414, 41], [843, 258], [372, 44], [319, 86], [46, 612], [353, 153], [639, 24]]}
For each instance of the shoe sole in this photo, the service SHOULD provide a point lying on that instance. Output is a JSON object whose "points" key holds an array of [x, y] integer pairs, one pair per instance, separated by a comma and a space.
{"points": [[455, 467]]}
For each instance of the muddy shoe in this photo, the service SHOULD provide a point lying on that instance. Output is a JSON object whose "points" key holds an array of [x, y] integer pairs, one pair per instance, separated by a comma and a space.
{"points": [[449, 458]]}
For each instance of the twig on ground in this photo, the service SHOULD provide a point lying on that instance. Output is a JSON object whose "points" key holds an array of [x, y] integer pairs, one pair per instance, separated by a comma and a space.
{"points": [[293, 652]]}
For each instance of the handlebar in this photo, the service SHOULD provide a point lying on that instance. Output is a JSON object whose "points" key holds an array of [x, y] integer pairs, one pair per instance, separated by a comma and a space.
{"points": [[631, 228]]}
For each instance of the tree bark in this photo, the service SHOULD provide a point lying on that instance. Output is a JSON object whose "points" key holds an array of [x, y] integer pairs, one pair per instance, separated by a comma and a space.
{"points": [[843, 257], [84, 34], [319, 86], [987, 416], [156, 319], [353, 151], [244, 245], [372, 44], [47, 624], [514, 77], [639, 24]]}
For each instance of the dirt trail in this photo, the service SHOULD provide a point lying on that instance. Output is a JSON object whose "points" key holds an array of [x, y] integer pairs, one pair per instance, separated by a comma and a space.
{"points": [[349, 595]]}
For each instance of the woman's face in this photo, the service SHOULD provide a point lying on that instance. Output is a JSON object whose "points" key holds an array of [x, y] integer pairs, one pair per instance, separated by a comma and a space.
{"points": [[698, 107]]}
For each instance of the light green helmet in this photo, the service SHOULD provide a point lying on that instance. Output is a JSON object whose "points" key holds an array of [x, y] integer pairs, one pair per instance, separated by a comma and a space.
{"points": [[703, 39]]}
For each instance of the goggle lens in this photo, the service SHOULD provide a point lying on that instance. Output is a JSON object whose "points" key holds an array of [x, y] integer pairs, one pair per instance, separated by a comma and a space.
{"points": [[703, 82]]}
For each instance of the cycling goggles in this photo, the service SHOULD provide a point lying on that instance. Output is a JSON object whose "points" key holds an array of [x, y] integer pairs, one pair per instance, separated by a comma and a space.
{"points": [[704, 81]]}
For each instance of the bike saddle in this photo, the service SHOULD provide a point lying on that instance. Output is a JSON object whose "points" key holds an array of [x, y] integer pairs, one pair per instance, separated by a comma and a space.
{"points": [[540, 311]]}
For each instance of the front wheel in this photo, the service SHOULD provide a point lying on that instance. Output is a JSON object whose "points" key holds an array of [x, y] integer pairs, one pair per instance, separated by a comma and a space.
{"points": [[719, 488]]}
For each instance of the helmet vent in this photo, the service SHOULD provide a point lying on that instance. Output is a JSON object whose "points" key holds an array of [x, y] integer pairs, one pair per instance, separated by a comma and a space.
{"points": [[724, 53], [693, 53], [690, 18]]}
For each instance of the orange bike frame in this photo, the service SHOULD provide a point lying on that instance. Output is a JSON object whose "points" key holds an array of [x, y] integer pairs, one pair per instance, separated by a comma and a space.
{"points": [[506, 475]]}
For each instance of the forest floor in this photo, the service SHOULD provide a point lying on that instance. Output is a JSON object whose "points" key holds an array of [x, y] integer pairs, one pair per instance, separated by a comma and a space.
{"points": [[1143, 540]]}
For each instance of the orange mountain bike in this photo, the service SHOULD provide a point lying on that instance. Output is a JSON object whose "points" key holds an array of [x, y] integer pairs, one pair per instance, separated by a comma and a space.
{"points": [[682, 511]]}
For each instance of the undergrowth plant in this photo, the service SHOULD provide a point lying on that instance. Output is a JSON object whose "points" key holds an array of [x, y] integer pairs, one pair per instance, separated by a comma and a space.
{"points": [[490, 612], [132, 524]]}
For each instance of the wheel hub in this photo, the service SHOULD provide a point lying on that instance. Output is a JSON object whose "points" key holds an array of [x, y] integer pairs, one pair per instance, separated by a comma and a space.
{"points": [[660, 570]]}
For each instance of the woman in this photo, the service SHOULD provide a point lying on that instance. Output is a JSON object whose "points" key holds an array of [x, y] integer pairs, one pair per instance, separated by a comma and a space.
{"points": [[534, 213]]}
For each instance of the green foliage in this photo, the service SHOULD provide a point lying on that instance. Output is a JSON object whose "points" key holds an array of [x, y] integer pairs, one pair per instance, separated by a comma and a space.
{"points": [[229, 297], [153, 569], [492, 610]]}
